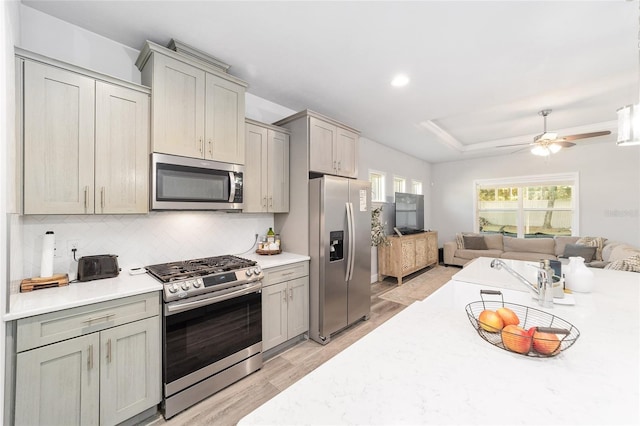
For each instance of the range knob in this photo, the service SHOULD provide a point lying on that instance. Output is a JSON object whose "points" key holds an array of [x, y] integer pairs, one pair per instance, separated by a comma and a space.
{"points": [[197, 283], [257, 270], [185, 285], [248, 272], [173, 288]]}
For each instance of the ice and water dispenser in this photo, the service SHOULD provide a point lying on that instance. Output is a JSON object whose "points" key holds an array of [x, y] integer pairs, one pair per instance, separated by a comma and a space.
{"points": [[336, 240]]}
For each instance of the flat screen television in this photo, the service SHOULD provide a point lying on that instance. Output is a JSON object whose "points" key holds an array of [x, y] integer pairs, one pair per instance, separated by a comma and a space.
{"points": [[409, 212]]}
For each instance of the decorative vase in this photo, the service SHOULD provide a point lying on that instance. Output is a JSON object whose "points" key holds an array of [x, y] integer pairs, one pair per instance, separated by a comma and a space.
{"points": [[579, 278]]}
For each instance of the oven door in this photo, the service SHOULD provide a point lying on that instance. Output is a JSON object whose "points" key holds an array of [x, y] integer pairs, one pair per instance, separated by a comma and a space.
{"points": [[205, 336], [181, 183]]}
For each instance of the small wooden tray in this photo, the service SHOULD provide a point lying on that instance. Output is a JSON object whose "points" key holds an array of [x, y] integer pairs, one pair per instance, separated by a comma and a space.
{"points": [[37, 283], [268, 252]]}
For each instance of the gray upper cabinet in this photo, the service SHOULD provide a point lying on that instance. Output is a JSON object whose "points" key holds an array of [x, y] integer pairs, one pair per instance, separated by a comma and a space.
{"points": [[86, 140], [197, 107], [266, 185], [332, 146]]}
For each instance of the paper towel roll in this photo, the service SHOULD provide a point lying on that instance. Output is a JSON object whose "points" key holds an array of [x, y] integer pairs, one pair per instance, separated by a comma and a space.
{"points": [[48, 244]]}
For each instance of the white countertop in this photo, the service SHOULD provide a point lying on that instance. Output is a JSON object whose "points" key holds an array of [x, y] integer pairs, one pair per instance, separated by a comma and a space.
{"points": [[22, 305], [271, 261], [427, 365]]}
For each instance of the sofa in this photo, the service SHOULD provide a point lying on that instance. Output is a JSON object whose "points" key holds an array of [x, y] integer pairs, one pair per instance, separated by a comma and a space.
{"points": [[598, 252]]}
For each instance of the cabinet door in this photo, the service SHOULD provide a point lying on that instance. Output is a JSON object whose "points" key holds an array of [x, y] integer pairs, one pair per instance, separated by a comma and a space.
{"points": [[224, 123], [58, 141], [178, 108], [432, 248], [130, 368], [58, 384], [408, 254], [298, 319], [278, 171], [255, 171], [122, 150], [322, 137], [347, 153], [421, 251], [274, 315]]}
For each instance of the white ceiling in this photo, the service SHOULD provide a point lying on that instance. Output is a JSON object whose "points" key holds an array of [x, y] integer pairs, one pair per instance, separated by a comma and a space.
{"points": [[480, 70]]}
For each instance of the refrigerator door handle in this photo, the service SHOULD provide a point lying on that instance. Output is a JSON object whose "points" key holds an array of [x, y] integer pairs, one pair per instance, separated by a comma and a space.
{"points": [[348, 269], [351, 233]]}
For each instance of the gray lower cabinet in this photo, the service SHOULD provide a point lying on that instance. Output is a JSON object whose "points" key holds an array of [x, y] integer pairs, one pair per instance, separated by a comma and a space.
{"points": [[104, 376], [285, 304]]}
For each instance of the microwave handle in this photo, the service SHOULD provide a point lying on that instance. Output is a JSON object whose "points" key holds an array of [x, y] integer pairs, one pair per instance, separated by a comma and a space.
{"points": [[232, 182]]}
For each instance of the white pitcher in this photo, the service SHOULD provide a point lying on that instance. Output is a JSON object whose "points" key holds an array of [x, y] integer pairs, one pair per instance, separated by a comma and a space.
{"points": [[579, 278]]}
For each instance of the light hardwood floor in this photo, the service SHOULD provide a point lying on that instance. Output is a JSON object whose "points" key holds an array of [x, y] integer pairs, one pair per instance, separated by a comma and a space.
{"points": [[231, 404]]}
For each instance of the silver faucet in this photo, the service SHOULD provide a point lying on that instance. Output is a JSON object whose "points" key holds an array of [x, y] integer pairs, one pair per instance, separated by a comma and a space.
{"points": [[544, 289], [499, 264]]}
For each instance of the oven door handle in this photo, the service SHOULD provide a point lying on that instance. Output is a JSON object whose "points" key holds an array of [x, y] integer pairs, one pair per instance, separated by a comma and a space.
{"points": [[177, 307]]}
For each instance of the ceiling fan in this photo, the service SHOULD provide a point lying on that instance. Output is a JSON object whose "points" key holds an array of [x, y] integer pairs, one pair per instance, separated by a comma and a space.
{"points": [[548, 143]]}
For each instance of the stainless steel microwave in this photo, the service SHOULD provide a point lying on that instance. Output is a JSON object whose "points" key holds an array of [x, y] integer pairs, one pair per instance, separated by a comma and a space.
{"points": [[183, 183]]}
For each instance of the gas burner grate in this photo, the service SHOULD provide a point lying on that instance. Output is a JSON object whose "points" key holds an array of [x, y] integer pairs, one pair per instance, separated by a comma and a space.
{"points": [[167, 272]]}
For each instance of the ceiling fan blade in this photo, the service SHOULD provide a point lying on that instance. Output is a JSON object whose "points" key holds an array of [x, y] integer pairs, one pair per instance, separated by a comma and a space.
{"points": [[564, 144], [585, 135]]}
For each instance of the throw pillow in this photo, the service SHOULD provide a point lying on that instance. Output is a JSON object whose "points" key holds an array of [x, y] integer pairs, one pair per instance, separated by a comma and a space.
{"points": [[631, 264], [585, 252], [472, 242], [597, 242], [459, 241]]}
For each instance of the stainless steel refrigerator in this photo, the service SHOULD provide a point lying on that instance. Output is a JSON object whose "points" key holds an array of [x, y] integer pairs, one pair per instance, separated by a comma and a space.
{"points": [[340, 250]]}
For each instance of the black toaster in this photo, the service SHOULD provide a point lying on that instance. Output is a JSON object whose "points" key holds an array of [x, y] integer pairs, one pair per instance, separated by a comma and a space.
{"points": [[98, 267]]}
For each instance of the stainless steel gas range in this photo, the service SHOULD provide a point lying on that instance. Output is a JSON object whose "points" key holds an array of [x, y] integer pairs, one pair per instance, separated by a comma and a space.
{"points": [[212, 326]]}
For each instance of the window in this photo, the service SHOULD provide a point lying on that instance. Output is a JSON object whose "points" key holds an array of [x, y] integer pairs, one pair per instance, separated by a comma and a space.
{"points": [[399, 184], [377, 186], [416, 187], [529, 207]]}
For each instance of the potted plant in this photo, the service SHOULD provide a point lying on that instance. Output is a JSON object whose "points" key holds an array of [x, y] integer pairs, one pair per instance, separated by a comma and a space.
{"points": [[377, 229]]}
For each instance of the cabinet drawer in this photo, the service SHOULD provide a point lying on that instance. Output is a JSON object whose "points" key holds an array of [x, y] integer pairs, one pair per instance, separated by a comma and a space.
{"points": [[53, 327], [285, 273]]}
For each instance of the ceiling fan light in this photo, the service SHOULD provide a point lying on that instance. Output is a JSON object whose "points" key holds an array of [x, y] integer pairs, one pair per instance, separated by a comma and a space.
{"points": [[540, 150], [629, 125], [554, 147]]}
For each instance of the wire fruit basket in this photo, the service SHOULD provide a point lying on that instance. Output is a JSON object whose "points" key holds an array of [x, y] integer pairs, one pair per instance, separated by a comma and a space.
{"points": [[559, 335]]}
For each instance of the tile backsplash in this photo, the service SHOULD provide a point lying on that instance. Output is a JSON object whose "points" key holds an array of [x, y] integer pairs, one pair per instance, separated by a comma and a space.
{"points": [[139, 240]]}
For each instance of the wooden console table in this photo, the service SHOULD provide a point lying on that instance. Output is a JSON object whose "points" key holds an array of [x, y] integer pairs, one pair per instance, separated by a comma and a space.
{"points": [[407, 254]]}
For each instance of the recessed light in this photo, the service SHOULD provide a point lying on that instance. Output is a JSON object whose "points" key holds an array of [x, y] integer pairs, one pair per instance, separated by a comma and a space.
{"points": [[400, 80]]}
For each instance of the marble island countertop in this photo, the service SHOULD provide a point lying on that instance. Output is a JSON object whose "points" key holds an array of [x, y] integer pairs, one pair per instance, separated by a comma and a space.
{"points": [[428, 365], [22, 305]]}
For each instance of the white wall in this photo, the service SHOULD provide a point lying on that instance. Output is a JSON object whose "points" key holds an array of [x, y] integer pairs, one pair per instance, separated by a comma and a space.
{"points": [[49, 36], [9, 36], [609, 179]]}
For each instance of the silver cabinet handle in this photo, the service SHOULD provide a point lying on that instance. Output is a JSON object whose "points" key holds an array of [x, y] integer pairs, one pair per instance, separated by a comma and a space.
{"points": [[103, 317], [201, 143], [339, 165], [264, 201], [102, 198], [284, 299], [270, 201], [86, 197], [109, 351], [90, 358], [291, 293], [210, 147]]}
